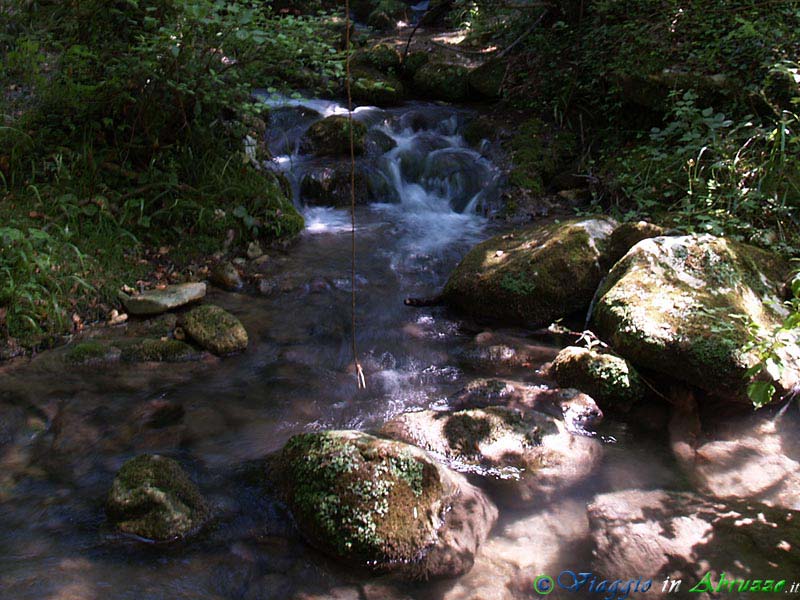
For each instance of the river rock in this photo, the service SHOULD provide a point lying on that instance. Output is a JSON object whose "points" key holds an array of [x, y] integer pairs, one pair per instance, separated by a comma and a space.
{"points": [[756, 457], [667, 306], [226, 276], [626, 236], [609, 379], [153, 302], [655, 534], [487, 80], [577, 410], [532, 276], [331, 137], [499, 353], [526, 456], [157, 350], [371, 87], [442, 81], [215, 329], [382, 504], [92, 352], [152, 497]]}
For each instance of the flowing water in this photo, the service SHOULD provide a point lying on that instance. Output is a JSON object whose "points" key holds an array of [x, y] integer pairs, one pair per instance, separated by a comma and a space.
{"points": [[66, 431]]}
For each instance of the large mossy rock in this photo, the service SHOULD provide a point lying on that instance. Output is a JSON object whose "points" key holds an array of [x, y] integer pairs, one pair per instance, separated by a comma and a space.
{"points": [[152, 497], [532, 276], [610, 380], [154, 302], [158, 350], [331, 137], [487, 80], [656, 534], [215, 329], [371, 87], [382, 57], [671, 303], [442, 81], [524, 456], [381, 503]]}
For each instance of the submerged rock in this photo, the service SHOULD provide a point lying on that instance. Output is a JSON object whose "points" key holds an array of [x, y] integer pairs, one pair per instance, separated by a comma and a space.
{"points": [[92, 352], [153, 302], [226, 276], [158, 350], [667, 305], [655, 534], [215, 329], [532, 276], [609, 379], [442, 81], [526, 457], [382, 504], [153, 497], [331, 137]]}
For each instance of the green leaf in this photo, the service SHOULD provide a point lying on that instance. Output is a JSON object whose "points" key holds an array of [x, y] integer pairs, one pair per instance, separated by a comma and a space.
{"points": [[760, 393]]}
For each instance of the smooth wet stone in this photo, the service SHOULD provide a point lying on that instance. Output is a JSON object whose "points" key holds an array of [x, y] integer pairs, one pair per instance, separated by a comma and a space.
{"points": [[153, 302], [532, 276], [610, 380], [667, 306], [382, 504], [655, 534], [153, 497], [226, 276], [215, 329], [525, 457]]}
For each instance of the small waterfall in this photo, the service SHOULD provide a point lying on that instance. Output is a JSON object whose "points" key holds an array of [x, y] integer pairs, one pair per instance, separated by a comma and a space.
{"points": [[417, 165]]}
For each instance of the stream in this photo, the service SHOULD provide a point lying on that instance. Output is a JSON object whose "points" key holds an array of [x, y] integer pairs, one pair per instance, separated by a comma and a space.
{"points": [[66, 431]]}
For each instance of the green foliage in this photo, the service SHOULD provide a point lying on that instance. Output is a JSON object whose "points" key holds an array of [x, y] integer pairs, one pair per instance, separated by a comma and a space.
{"points": [[766, 345], [713, 175]]}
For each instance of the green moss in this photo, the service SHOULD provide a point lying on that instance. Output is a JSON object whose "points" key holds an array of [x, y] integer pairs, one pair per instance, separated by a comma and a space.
{"points": [[442, 81], [331, 137], [370, 87], [356, 496], [215, 329], [158, 350], [91, 352], [413, 62], [487, 80], [383, 57], [539, 152], [532, 276], [152, 497]]}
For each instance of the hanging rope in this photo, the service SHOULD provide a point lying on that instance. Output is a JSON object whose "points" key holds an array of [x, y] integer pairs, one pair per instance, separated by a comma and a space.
{"points": [[360, 380]]}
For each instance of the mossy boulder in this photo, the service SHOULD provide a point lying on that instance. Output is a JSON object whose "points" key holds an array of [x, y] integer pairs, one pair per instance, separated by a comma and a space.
{"points": [[92, 352], [152, 497], [158, 350], [442, 81], [626, 236], [331, 137], [371, 501], [487, 80], [226, 276], [372, 88], [539, 152], [215, 329], [524, 456], [413, 62], [383, 57], [610, 380], [671, 305], [532, 276]]}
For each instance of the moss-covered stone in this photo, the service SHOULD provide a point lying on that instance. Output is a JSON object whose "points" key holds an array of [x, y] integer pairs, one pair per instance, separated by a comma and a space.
{"points": [[331, 137], [539, 152], [413, 62], [386, 14], [372, 88], [626, 236], [92, 352], [442, 81], [158, 350], [226, 276], [532, 276], [487, 80], [152, 497], [157, 327], [383, 57], [670, 305], [215, 329], [479, 129], [358, 497], [610, 380]]}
